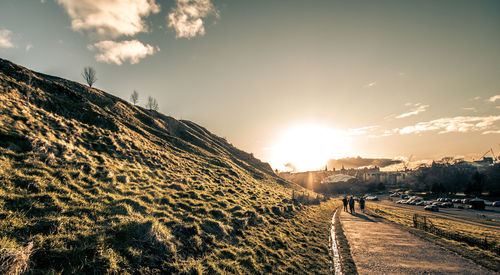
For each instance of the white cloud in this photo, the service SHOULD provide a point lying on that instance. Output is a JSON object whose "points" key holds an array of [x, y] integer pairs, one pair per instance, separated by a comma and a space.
{"points": [[491, 132], [475, 98], [471, 109], [460, 124], [494, 98], [417, 108], [361, 131], [112, 18], [6, 39], [187, 17], [29, 47], [371, 84], [120, 52]]}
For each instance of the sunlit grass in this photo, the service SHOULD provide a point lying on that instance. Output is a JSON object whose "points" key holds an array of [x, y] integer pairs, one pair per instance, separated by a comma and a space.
{"points": [[100, 186]]}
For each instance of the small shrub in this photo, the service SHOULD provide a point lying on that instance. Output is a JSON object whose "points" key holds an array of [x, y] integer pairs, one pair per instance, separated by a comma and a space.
{"points": [[15, 260]]}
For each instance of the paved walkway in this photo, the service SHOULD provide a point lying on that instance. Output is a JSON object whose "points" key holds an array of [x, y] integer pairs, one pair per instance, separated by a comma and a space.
{"points": [[381, 248]]}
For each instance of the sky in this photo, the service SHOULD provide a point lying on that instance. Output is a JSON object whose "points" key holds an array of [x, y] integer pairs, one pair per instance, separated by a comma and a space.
{"points": [[290, 81]]}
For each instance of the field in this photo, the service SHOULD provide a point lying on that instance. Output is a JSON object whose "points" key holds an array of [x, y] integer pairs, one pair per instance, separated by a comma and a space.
{"points": [[463, 238]]}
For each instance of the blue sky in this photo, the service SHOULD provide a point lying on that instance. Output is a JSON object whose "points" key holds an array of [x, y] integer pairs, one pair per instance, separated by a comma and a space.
{"points": [[396, 78]]}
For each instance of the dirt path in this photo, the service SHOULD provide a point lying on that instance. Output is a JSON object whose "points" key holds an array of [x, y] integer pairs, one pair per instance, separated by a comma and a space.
{"points": [[381, 248]]}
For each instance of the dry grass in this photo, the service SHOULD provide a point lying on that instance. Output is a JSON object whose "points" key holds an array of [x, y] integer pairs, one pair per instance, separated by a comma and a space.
{"points": [[14, 260], [404, 217], [348, 265], [101, 186]]}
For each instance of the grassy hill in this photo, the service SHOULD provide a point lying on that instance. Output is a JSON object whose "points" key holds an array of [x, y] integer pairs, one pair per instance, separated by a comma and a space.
{"points": [[92, 184]]}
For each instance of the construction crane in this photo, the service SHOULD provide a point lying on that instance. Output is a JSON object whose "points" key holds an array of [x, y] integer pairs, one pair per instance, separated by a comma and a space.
{"points": [[407, 163], [492, 153]]}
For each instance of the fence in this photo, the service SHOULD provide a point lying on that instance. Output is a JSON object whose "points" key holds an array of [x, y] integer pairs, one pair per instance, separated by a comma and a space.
{"points": [[424, 223]]}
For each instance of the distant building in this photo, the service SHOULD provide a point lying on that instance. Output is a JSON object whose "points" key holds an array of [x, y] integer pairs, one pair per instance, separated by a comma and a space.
{"points": [[337, 178]]}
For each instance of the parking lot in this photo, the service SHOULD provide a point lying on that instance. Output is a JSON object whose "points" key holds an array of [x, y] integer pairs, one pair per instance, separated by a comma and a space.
{"points": [[489, 217]]}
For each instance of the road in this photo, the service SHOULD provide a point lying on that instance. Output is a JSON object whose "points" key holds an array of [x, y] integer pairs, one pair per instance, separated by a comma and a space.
{"points": [[381, 248]]}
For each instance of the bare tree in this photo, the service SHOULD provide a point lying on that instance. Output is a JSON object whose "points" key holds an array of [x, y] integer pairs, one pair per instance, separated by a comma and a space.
{"points": [[152, 103], [89, 75], [134, 97], [155, 104]]}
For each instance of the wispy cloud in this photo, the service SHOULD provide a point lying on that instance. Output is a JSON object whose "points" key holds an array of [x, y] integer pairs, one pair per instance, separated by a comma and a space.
{"points": [[494, 98], [491, 132], [6, 39], [475, 98], [120, 52], [28, 47], [417, 109], [471, 109], [362, 131], [460, 124], [371, 84], [186, 18], [109, 18]]}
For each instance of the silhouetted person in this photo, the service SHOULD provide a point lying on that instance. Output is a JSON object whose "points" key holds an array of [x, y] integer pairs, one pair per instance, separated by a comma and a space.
{"points": [[362, 204], [351, 205], [344, 201]]}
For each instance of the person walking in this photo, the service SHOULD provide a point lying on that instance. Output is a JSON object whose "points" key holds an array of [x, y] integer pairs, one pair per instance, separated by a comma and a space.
{"points": [[344, 201], [351, 205], [362, 204]]}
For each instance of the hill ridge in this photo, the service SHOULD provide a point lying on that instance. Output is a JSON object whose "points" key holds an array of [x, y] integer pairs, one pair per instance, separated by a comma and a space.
{"points": [[90, 183], [178, 129]]}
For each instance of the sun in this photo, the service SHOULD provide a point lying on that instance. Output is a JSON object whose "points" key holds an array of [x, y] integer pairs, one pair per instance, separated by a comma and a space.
{"points": [[309, 147]]}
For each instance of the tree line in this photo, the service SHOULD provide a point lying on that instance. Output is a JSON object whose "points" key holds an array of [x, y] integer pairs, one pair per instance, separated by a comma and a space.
{"points": [[450, 178], [90, 77]]}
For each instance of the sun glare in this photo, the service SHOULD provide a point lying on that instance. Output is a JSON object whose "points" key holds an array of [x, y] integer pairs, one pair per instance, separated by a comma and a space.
{"points": [[308, 147]]}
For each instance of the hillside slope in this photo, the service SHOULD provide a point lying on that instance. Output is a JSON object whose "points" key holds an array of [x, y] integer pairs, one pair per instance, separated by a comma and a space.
{"points": [[92, 184]]}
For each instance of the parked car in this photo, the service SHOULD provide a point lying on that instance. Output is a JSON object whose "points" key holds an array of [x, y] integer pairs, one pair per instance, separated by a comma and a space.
{"points": [[465, 201], [447, 204], [371, 198], [434, 208], [420, 203], [415, 201], [460, 206], [496, 204], [477, 204], [456, 200]]}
